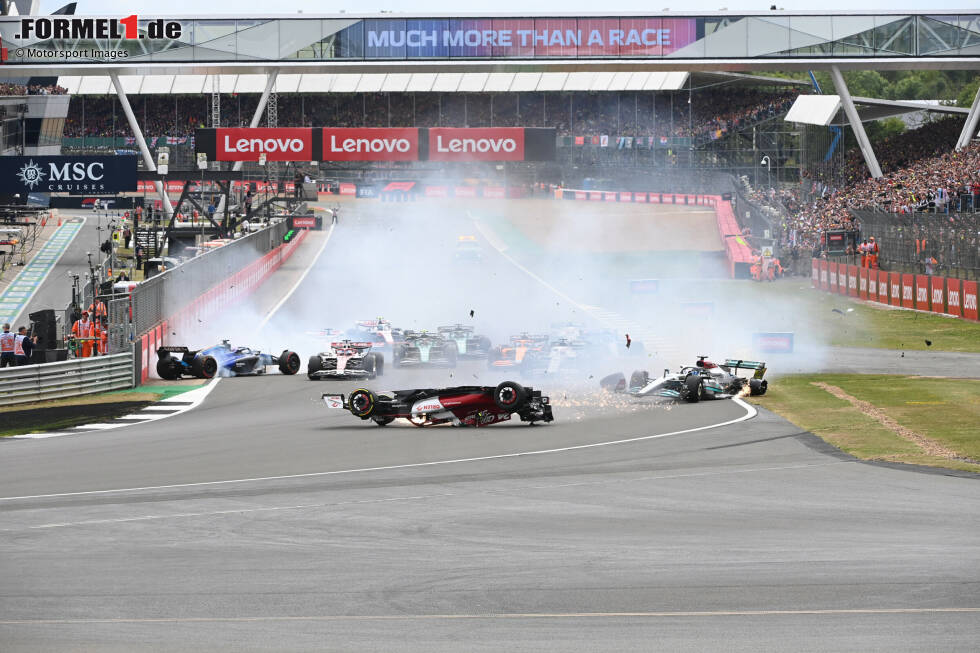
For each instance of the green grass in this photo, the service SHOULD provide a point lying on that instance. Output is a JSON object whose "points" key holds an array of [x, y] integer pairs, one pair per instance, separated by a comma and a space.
{"points": [[945, 410]]}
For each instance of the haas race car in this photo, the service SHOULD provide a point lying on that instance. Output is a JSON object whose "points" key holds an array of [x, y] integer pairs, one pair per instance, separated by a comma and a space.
{"points": [[345, 360], [468, 405], [221, 360], [703, 380], [421, 348]]}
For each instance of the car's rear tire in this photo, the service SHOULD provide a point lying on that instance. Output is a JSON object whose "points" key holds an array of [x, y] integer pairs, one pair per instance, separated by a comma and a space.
{"points": [[509, 396], [379, 364], [370, 365], [758, 387], [694, 387], [315, 364], [362, 403], [205, 367], [289, 362], [169, 368]]}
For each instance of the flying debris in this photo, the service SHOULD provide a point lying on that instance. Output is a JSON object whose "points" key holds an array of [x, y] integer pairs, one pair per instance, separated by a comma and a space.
{"points": [[928, 343], [629, 341], [472, 312], [837, 310]]}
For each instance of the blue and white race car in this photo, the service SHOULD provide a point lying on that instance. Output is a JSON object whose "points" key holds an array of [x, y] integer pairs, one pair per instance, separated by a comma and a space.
{"points": [[221, 360]]}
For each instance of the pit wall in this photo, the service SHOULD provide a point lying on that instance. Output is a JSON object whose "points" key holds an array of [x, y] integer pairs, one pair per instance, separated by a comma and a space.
{"points": [[221, 295], [922, 292]]}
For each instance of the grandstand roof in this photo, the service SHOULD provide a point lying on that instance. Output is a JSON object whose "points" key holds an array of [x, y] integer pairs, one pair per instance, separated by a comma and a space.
{"points": [[415, 82], [827, 110]]}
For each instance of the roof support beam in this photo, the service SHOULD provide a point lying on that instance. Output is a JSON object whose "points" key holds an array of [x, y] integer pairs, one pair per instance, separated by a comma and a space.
{"points": [[970, 126], [270, 83], [855, 120], [140, 140]]}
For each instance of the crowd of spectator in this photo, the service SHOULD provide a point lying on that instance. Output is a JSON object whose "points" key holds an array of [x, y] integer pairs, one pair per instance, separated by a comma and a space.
{"points": [[32, 89], [715, 112]]}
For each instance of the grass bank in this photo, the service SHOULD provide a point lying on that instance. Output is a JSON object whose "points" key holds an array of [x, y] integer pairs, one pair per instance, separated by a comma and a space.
{"points": [[912, 420]]}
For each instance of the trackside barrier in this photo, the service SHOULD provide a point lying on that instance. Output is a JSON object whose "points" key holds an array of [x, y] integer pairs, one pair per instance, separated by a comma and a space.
{"points": [[922, 292], [739, 253], [80, 376], [220, 295]]}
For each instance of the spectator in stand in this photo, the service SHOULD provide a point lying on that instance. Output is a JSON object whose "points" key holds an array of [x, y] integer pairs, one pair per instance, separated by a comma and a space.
{"points": [[7, 342], [930, 264]]}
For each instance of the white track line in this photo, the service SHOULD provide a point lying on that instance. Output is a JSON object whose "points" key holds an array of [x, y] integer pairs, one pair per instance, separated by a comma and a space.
{"points": [[299, 281], [196, 397], [750, 412]]}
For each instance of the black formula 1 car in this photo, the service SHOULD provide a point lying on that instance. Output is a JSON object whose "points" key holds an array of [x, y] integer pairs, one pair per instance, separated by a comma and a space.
{"points": [[703, 380], [422, 348], [467, 405], [221, 360]]}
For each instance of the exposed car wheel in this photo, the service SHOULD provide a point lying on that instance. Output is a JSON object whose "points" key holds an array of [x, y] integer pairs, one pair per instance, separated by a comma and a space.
{"points": [[639, 379], [289, 362], [315, 364], [362, 403], [694, 389], [758, 387], [509, 396], [370, 365], [168, 368], [205, 367]]}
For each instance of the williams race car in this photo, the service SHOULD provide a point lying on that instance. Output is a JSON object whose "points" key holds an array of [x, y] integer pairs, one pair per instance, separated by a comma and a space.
{"points": [[221, 360], [704, 380], [424, 348], [468, 344], [468, 405], [345, 360]]}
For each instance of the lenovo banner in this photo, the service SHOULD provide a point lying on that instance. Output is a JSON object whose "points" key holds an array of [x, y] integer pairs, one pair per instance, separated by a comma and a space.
{"points": [[247, 144], [370, 144], [897, 289], [970, 299], [491, 144], [938, 294], [954, 303], [882, 286], [921, 292], [81, 175]]}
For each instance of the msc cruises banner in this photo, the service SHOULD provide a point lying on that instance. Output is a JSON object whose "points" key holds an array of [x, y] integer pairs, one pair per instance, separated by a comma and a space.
{"points": [[376, 144], [67, 174]]}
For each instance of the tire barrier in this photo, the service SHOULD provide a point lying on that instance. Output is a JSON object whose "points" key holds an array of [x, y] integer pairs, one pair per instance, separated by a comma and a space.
{"points": [[921, 292]]}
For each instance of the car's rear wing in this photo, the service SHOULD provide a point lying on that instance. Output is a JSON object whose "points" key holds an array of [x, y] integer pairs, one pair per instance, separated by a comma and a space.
{"points": [[173, 349], [737, 364], [338, 402], [353, 345]]}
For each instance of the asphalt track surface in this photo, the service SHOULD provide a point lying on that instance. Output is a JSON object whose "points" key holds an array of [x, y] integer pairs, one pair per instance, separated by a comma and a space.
{"points": [[261, 521]]}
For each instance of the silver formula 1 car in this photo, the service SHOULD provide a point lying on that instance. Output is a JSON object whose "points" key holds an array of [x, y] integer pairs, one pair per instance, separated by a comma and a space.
{"points": [[346, 360], [703, 380]]}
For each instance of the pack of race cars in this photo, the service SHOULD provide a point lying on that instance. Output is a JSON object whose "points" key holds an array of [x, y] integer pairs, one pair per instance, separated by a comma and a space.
{"points": [[363, 351]]}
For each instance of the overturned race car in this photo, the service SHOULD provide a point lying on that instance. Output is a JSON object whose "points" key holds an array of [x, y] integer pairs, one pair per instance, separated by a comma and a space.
{"points": [[468, 405], [345, 360], [703, 380], [221, 360]]}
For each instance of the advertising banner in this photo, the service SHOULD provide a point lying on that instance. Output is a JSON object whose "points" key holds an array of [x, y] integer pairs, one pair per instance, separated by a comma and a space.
{"points": [[832, 270], [863, 275], [954, 303], [922, 292], [824, 275], [852, 280], [640, 197], [464, 191], [908, 290], [938, 296], [490, 144], [494, 192], [436, 191], [896, 289], [626, 196], [842, 279], [882, 286], [80, 175], [970, 300], [370, 144], [348, 188], [814, 273], [246, 144], [610, 197]]}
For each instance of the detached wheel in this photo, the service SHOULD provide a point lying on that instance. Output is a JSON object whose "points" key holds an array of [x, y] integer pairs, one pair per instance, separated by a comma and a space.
{"points": [[168, 369], [509, 396], [205, 367], [758, 387], [695, 389], [315, 364], [289, 362], [362, 403]]}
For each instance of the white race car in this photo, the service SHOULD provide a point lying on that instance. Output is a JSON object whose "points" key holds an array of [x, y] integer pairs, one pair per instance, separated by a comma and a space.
{"points": [[345, 360], [703, 380]]}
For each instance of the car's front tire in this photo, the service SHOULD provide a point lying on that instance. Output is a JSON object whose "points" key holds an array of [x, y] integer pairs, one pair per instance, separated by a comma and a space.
{"points": [[315, 364], [694, 389]]}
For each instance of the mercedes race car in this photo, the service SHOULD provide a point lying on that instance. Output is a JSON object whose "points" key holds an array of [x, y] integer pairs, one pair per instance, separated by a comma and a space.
{"points": [[424, 348], [468, 344], [704, 380], [468, 405], [221, 360], [513, 354], [345, 360]]}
